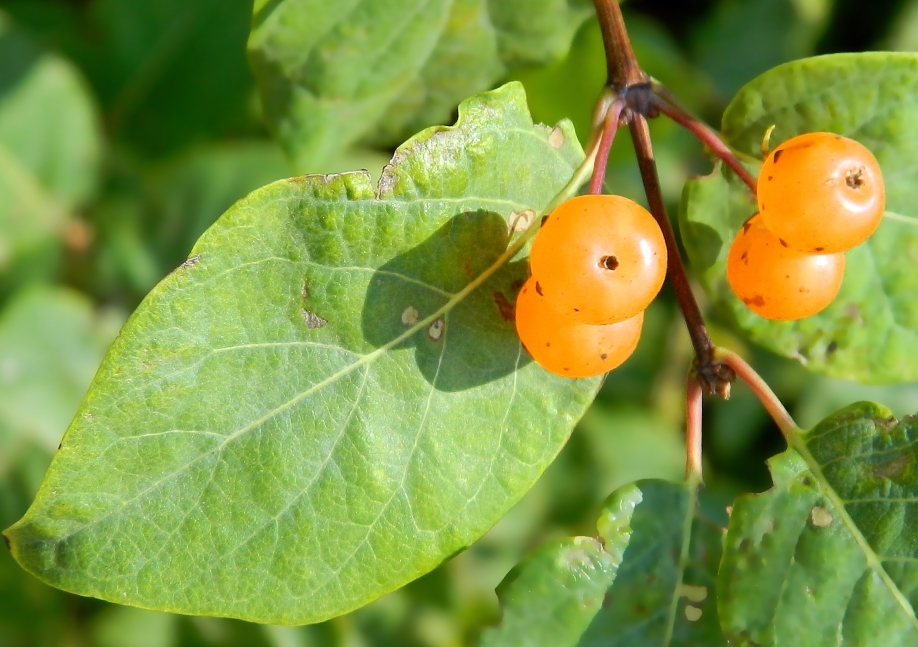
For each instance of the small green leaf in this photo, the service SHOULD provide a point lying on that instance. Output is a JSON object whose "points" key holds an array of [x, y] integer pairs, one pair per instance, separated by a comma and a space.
{"points": [[870, 332], [827, 556], [333, 73], [550, 597], [319, 406], [49, 153], [664, 591]]}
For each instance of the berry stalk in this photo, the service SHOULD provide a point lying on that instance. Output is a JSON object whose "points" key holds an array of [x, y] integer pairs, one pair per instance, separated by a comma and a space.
{"points": [[701, 341], [621, 63], [607, 136], [762, 391], [704, 134], [693, 429]]}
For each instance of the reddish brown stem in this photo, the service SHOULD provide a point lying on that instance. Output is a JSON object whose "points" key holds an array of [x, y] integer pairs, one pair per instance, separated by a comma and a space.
{"points": [[761, 389], [701, 341], [693, 429], [610, 127], [706, 136], [621, 63]]}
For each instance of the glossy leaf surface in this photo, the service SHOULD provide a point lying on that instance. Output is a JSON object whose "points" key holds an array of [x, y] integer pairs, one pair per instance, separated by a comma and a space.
{"points": [[318, 406]]}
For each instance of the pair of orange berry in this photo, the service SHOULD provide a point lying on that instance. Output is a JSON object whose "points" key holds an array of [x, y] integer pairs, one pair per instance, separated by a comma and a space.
{"points": [[597, 263], [819, 195]]}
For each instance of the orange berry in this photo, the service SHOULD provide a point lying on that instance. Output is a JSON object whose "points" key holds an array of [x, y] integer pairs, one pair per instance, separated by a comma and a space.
{"points": [[566, 347], [821, 193], [599, 258], [777, 282]]}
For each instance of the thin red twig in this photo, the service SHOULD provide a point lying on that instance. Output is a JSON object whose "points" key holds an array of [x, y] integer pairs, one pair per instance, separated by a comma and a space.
{"points": [[610, 127]]}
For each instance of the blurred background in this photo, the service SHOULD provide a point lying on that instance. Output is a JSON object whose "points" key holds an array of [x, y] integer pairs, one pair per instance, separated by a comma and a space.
{"points": [[128, 127]]}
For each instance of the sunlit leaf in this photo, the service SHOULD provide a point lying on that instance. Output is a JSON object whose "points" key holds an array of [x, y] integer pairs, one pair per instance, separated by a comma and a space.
{"points": [[332, 73], [827, 556], [318, 406]]}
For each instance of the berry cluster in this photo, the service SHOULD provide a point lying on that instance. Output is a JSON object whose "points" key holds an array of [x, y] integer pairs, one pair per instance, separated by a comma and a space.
{"points": [[818, 194], [597, 263]]}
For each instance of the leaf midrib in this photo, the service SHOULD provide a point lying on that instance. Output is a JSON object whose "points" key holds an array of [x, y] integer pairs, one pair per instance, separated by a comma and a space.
{"points": [[797, 442]]}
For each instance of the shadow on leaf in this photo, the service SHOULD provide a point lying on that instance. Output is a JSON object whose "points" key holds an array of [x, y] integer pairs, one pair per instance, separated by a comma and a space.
{"points": [[474, 342]]}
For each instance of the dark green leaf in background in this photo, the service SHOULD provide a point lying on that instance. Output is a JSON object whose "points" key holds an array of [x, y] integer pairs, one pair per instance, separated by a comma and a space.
{"points": [[550, 597], [870, 332], [49, 154], [332, 73], [828, 555], [664, 593], [287, 428]]}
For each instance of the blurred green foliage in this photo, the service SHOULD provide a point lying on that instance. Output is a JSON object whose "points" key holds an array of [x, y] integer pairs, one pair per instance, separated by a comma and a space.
{"points": [[127, 128]]}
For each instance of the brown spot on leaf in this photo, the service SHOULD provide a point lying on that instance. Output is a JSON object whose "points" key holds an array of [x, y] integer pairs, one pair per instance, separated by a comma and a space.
{"points": [[435, 330], [467, 269], [820, 517], [410, 316], [313, 320], [556, 138], [503, 306], [892, 469], [190, 262]]}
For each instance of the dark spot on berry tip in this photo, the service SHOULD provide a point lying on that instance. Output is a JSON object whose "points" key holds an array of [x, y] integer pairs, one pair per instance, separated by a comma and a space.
{"points": [[566, 369], [757, 300], [746, 226], [832, 347], [608, 262], [783, 244], [777, 155], [603, 356], [771, 177], [853, 178], [819, 249], [744, 257], [576, 309], [539, 289]]}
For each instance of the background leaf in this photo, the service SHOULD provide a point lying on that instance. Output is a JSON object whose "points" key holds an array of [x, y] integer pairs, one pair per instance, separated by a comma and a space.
{"points": [[49, 154], [332, 74], [828, 554], [551, 596], [245, 416], [870, 332], [672, 554]]}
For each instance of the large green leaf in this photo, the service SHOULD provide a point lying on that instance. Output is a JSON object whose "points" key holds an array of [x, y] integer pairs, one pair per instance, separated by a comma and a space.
{"points": [[664, 592], [49, 152], [870, 332], [828, 555], [331, 73], [319, 406]]}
